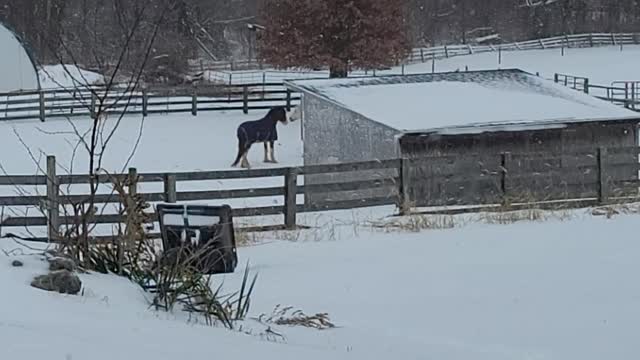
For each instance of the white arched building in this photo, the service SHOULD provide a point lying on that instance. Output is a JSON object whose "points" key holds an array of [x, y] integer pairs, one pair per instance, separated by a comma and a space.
{"points": [[18, 70]]}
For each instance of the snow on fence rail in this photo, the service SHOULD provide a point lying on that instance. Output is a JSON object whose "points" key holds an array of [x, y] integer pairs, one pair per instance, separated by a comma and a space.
{"points": [[569, 179], [625, 93], [83, 102], [566, 41], [236, 72]]}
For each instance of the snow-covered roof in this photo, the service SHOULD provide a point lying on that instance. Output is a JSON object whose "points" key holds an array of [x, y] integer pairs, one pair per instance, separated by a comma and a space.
{"points": [[464, 102]]}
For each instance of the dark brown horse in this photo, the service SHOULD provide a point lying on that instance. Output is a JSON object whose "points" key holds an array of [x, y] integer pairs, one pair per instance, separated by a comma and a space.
{"points": [[261, 131]]}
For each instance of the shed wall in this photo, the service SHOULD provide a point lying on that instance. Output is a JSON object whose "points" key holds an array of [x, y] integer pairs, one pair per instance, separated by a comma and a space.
{"points": [[466, 169], [333, 134]]}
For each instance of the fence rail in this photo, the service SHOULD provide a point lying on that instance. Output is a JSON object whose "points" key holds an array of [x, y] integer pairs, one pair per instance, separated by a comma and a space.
{"points": [[425, 54], [596, 176], [625, 93], [54, 103], [256, 93]]}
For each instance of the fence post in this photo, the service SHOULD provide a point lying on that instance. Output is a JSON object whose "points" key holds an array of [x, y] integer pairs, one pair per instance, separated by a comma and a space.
{"points": [[288, 100], [422, 54], [170, 194], [591, 40], [446, 51], [556, 78], [404, 191], [505, 160], [603, 191], [402, 69], [53, 210], [132, 181], [145, 103], [194, 102], [290, 193], [586, 85], [245, 99], [42, 106]]}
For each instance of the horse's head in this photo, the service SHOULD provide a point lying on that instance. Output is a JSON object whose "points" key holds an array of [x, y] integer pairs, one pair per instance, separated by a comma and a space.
{"points": [[278, 114]]}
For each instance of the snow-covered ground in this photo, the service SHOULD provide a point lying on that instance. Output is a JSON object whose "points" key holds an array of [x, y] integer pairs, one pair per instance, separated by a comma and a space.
{"points": [[66, 76], [602, 65], [168, 143], [561, 289]]}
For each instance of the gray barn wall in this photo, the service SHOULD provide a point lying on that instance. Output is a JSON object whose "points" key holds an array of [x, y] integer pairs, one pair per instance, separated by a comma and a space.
{"points": [[336, 135], [333, 135], [443, 180]]}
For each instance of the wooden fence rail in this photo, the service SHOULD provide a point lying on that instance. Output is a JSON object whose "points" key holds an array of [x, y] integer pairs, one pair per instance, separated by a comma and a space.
{"points": [[54, 103], [596, 176]]}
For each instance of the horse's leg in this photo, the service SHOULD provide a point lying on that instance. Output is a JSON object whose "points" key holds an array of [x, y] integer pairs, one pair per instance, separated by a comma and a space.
{"points": [[273, 153], [266, 152]]}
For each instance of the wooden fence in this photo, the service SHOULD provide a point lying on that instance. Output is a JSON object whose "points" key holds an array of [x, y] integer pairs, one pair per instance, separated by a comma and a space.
{"points": [[556, 42], [54, 201], [625, 93], [597, 176], [43, 104], [429, 54]]}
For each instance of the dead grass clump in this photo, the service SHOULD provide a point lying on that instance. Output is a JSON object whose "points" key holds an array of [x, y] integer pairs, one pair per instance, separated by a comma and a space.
{"points": [[616, 209], [511, 217], [417, 223], [287, 316], [506, 216], [248, 238]]}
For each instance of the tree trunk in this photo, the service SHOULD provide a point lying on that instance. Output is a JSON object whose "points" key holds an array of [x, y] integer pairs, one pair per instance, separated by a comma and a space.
{"points": [[338, 71]]}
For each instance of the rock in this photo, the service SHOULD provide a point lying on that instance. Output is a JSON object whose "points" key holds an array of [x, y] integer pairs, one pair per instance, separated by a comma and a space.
{"points": [[61, 263], [62, 281], [17, 263]]}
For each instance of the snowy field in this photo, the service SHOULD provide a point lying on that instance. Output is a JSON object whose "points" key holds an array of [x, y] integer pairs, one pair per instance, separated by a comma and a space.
{"points": [[561, 289], [565, 288], [602, 65], [176, 142], [167, 143]]}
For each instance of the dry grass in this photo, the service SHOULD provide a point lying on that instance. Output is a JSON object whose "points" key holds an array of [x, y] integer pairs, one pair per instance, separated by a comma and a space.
{"points": [[511, 217], [506, 216], [417, 223], [245, 238], [287, 316]]}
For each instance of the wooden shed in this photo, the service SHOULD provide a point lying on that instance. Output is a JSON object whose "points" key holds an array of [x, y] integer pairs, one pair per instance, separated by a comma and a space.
{"points": [[464, 119]]}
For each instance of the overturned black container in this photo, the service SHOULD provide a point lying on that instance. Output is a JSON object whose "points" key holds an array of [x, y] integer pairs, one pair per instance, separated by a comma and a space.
{"points": [[202, 234]]}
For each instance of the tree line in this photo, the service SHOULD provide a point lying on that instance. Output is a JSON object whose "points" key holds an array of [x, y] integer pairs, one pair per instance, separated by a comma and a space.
{"points": [[90, 31]]}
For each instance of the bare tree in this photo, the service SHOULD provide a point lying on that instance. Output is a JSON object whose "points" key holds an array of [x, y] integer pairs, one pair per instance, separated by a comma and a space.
{"points": [[107, 104]]}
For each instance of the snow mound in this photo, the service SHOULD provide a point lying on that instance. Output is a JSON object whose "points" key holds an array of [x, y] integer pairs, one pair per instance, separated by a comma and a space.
{"points": [[67, 76]]}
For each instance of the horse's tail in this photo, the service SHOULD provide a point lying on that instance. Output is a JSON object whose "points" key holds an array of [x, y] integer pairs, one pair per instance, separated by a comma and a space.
{"points": [[241, 150]]}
